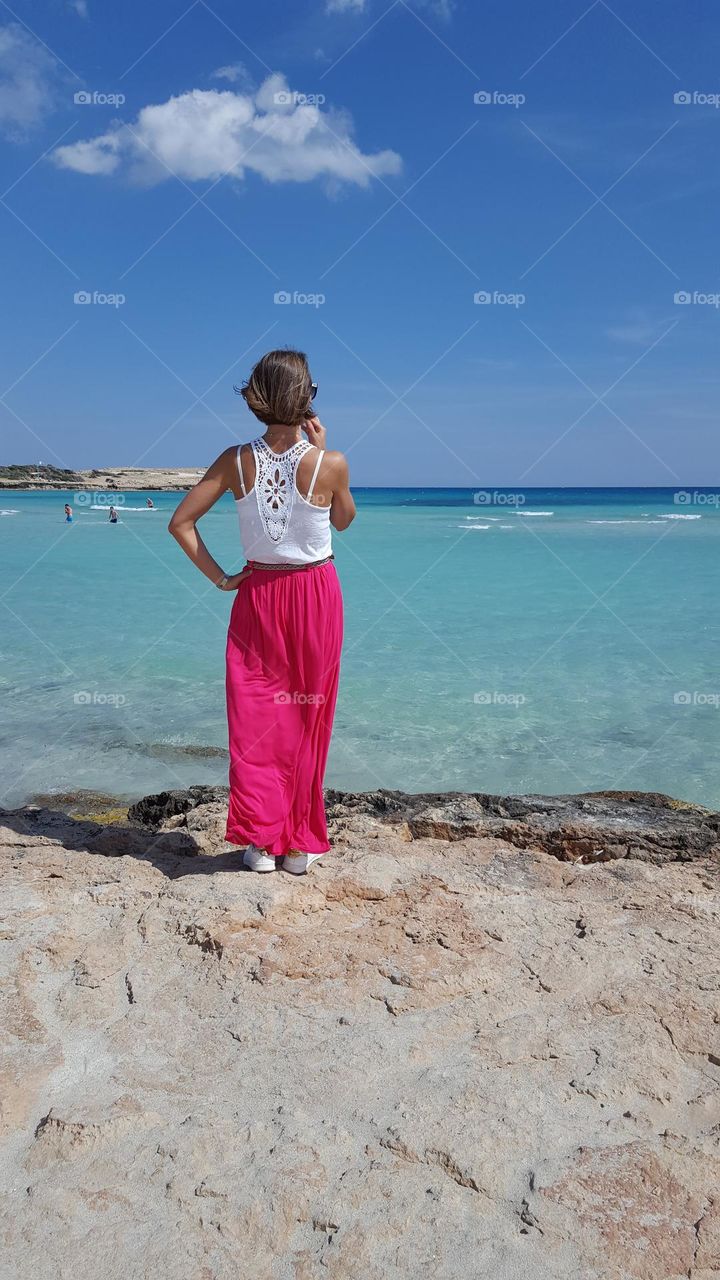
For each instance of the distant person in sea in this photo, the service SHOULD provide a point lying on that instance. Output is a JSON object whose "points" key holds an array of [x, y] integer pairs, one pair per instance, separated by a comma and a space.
{"points": [[113, 516], [149, 503], [286, 622], [68, 513]]}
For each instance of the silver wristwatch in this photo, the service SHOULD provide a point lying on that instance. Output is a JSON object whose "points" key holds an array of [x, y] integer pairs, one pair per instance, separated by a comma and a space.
{"points": [[222, 583]]}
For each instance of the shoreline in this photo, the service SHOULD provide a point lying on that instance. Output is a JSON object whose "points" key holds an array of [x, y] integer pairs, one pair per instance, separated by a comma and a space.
{"points": [[588, 827], [100, 480], [31, 479]]}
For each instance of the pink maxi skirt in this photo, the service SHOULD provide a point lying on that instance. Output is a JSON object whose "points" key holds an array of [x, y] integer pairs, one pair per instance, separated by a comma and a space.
{"points": [[282, 668]]}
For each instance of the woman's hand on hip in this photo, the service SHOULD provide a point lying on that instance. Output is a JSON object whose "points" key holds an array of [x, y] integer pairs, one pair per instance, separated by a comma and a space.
{"points": [[234, 579], [315, 432]]}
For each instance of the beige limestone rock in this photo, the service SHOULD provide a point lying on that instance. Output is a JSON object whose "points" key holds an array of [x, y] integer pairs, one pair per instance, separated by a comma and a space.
{"points": [[443, 1058]]}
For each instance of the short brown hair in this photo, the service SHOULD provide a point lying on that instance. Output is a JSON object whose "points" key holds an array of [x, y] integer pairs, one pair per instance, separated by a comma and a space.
{"points": [[279, 388]]}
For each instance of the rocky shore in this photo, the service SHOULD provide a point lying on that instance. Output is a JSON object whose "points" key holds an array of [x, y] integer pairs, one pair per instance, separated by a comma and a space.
{"points": [[113, 479], [479, 1039]]}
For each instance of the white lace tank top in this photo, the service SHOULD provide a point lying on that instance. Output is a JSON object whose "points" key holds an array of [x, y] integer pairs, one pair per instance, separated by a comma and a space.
{"points": [[277, 524]]}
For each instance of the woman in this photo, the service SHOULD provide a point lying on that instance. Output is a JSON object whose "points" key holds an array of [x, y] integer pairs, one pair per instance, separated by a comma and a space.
{"points": [[285, 633]]}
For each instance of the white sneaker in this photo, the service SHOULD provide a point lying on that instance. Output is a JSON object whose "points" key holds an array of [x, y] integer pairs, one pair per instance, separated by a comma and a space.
{"points": [[298, 863], [258, 859]]}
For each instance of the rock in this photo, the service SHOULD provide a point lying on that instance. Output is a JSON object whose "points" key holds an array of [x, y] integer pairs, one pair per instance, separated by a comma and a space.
{"points": [[597, 827], [31, 476], [152, 811], [442, 1053]]}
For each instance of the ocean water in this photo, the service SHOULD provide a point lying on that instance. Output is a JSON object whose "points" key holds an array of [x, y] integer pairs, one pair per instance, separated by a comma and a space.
{"points": [[548, 641]]}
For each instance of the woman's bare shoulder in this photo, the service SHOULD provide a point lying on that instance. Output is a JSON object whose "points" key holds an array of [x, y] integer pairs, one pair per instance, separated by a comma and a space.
{"points": [[336, 461], [335, 458]]}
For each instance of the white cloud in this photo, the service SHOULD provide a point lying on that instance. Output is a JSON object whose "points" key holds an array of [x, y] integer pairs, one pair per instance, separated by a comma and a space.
{"points": [[207, 133], [28, 77], [640, 327], [80, 7], [234, 73], [442, 8]]}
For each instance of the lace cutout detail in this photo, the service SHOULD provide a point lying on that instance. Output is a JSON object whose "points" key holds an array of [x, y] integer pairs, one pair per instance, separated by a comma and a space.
{"points": [[275, 484]]}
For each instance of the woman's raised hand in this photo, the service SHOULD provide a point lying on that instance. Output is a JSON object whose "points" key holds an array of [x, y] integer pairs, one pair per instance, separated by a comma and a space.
{"points": [[315, 432]]}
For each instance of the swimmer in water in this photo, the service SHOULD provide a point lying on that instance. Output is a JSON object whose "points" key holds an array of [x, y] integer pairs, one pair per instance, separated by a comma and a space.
{"points": [[150, 503], [113, 516], [68, 513]]}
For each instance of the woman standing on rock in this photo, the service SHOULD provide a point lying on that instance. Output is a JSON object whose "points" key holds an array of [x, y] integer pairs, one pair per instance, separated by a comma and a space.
{"points": [[285, 633]]}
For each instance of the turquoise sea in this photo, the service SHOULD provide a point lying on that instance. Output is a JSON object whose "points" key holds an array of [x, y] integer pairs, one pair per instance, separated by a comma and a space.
{"points": [[543, 641]]}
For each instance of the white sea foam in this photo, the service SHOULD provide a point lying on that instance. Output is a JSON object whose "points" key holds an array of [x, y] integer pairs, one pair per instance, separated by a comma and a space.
{"points": [[624, 521], [673, 516], [9, 512], [533, 513], [473, 528]]}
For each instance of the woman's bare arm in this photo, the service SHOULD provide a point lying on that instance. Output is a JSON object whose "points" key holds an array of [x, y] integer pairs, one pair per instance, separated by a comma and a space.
{"points": [[342, 507], [195, 504]]}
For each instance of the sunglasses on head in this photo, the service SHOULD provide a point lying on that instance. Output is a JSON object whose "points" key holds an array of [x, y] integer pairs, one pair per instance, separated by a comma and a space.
{"points": [[242, 391]]}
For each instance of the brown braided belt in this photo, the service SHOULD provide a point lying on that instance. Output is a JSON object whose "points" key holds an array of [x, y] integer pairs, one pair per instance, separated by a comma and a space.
{"points": [[255, 564]]}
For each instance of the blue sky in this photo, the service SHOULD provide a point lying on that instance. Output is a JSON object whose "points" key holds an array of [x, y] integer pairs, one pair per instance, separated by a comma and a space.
{"points": [[335, 151]]}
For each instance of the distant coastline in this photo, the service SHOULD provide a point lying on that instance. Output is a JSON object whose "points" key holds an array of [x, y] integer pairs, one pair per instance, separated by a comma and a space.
{"points": [[41, 476], [100, 480]]}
